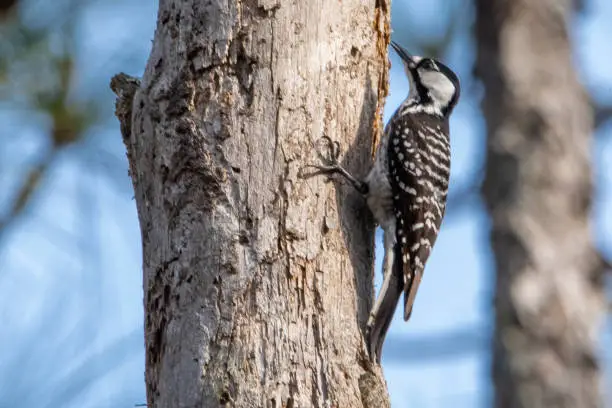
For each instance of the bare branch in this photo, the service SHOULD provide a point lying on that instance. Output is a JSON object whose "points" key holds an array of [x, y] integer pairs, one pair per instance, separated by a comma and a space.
{"points": [[25, 193], [124, 86], [602, 115]]}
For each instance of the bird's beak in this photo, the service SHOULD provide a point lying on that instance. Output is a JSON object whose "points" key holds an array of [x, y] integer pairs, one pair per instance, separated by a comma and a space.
{"points": [[404, 55]]}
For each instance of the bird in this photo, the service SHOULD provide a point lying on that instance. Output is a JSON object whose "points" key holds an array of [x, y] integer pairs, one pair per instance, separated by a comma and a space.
{"points": [[406, 187]]}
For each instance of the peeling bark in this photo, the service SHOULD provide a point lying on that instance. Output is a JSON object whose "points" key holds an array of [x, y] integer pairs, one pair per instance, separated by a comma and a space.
{"points": [[538, 190], [257, 283]]}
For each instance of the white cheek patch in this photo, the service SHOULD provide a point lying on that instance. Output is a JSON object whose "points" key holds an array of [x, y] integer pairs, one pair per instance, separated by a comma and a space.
{"points": [[440, 87]]}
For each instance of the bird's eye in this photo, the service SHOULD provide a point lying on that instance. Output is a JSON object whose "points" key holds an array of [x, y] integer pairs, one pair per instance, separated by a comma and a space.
{"points": [[427, 64]]}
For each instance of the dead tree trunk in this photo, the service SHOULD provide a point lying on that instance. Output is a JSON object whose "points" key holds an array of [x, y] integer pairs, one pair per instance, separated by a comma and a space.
{"points": [[538, 190], [257, 283]]}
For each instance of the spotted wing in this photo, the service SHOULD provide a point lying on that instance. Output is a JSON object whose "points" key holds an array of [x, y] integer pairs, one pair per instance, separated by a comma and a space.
{"points": [[419, 194]]}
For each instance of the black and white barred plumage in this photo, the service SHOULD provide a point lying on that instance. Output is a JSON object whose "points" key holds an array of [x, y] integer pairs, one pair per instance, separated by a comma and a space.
{"points": [[419, 163], [406, 188]]}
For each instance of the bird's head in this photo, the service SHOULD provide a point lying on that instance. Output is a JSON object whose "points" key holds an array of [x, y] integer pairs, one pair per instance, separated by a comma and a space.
{"points": [[434, 87]]}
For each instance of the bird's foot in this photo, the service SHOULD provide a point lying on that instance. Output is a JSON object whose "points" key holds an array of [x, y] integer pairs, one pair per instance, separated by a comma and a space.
{"points": [[332, 165], [329, 158]]}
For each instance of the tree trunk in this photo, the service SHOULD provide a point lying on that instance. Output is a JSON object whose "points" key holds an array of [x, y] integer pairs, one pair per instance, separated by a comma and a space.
{"points": [[538, 190], [257, 283]]}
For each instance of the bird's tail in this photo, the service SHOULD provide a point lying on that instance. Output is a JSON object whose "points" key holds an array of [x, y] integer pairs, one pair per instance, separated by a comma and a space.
{"points": [[410, 290], [383, 310]]}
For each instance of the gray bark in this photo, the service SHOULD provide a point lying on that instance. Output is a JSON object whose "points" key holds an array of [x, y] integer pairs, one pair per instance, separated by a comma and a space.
{"points": [[538, 191], [257, 283]]}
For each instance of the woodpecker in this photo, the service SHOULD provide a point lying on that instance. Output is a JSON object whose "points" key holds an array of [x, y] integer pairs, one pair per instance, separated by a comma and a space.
{"points": [[407, 186]]}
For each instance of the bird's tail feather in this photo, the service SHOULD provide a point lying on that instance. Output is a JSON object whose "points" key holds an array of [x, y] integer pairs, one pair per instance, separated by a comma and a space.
{"points": [[383, 311], [410, 291]]}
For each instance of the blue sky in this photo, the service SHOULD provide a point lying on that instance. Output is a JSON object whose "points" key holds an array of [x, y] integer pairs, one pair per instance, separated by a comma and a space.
{"points": [[70, 271], [456, 289]]}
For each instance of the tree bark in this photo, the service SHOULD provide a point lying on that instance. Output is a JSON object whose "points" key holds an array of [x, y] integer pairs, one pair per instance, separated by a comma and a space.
{"points": [[538, 191], [257, 283]]}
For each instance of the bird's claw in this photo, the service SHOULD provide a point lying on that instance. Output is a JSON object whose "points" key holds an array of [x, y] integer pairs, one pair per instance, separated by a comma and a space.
{"points": [[333, 166], [329, 157], [327, 170], [333, 151]]}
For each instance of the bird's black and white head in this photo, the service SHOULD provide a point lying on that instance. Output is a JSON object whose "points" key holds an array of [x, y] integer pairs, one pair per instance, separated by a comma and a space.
{"points": [[434, 87]]}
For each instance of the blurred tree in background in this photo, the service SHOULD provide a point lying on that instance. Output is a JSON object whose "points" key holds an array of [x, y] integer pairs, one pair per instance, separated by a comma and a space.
{"points": [[538, 190], [70, 272]]}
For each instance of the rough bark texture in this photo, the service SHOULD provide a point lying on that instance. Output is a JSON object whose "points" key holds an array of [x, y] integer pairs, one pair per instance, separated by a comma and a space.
{"points": [[257, 282], [538, 190]]}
